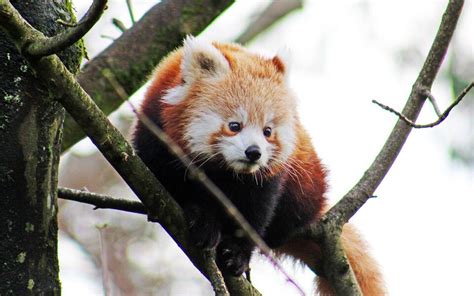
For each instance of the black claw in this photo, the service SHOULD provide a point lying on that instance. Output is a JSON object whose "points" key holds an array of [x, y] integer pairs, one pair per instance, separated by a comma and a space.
{"points": [[233, 257]]}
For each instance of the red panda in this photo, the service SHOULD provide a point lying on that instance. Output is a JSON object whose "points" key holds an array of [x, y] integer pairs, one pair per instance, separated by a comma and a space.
{"points": [[233, 113]]}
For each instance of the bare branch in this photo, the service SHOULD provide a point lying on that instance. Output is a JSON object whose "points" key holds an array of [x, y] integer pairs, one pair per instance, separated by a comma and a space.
{"points": [[275, 11], [426, 92], [441, 117], [52, 45], [101, 201], [331, 223], [119, 25], [130, 11], [103, 259]]}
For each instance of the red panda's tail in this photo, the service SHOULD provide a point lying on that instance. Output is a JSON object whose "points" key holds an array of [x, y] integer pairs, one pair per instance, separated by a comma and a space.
{"points": [[364, 266]]}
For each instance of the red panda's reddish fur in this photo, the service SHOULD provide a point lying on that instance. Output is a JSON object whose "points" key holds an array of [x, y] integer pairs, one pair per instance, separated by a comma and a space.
{"points": [[308, 186]]}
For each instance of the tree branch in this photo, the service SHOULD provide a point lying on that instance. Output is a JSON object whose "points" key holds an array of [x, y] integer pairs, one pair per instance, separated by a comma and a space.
{"points": [[51, 45], [119, 25], [130, 11], [134, 55], [101, 201], [330, 225], [272, 13], [161, 207], [441, 116]]}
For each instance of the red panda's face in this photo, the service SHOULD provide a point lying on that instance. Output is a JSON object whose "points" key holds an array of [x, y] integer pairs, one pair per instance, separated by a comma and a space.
{"points": [[238, 113]]}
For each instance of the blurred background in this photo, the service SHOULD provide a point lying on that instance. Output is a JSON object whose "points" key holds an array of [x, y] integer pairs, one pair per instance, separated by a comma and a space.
{"points": [[343, 55]]}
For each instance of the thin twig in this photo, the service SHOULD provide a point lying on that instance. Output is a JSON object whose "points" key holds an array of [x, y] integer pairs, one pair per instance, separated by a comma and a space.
{"points": [[441, 117], [426, 92], [119, 25], [130, 11], [199, 175], [103, 259], [52, 45]]}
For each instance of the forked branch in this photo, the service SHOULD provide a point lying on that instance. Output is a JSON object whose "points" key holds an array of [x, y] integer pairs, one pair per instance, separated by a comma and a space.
{"points": [[51, 45], [331, 223], [441, 116], [159, 204]]}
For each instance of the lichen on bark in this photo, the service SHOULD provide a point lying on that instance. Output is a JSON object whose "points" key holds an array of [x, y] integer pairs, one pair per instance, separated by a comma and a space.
{"points": [[30, 136]]}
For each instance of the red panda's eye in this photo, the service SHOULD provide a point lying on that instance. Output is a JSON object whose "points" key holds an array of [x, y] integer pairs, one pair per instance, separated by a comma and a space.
{"points": [[267, 132], [235, 126]]}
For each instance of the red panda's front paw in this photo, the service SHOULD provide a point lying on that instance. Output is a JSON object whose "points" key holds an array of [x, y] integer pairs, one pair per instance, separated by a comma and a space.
{"points": [[232, 258]]}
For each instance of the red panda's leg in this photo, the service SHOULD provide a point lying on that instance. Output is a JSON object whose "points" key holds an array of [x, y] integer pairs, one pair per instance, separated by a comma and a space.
{"points": [[204, 225], [233, 255]]}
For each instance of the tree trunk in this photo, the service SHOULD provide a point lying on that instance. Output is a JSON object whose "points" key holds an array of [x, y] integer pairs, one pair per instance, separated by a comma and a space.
{"points": [[30, 140]]}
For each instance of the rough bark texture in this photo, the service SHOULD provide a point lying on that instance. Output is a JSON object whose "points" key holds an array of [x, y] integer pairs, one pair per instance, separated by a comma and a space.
{"points": [[134, 55], [110, 142], [30, 137]]}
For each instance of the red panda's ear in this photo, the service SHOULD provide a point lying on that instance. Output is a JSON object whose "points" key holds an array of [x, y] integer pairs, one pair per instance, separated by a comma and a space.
{"points": [[282, 61], [201, 59], [279, 64]]}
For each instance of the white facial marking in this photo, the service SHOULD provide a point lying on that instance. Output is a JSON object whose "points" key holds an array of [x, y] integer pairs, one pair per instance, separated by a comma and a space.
{"points": [[287, 137], [242, 115], [175, 95], [233, 149], [200, 129]]}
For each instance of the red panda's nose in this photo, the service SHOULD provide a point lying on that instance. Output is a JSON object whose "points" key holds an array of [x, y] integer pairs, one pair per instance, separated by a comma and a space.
{"points": [[253, 153]]}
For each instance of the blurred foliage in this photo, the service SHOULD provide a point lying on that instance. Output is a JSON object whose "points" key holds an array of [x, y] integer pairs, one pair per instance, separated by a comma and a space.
{"points": [[460, 74]]}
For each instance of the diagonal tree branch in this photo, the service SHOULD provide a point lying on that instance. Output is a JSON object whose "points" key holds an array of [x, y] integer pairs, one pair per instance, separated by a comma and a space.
{"points": [[161, 207], [134, 55], [329, 228], [272, 13], [392, 147]]}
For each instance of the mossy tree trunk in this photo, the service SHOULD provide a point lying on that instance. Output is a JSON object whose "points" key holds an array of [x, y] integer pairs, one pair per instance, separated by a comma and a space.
{"points": [[30, 140]]}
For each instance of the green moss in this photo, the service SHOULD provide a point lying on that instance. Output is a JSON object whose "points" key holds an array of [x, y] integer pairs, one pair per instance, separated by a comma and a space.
{"points": [[31, 284], [21, 257], [12, 99], [81, 44], [29, 227], [24, 68]]}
